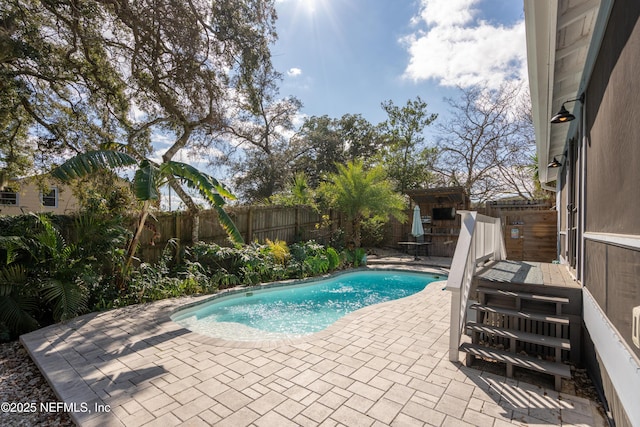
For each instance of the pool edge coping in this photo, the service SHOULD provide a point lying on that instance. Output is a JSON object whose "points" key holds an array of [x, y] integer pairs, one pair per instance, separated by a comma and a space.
{"points": [[163, 318]]}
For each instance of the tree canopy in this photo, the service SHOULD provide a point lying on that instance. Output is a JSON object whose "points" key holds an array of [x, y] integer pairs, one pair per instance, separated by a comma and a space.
{"points": [[77, 76], [256, 138], [487, 143], [406, 159], [324, 142]]}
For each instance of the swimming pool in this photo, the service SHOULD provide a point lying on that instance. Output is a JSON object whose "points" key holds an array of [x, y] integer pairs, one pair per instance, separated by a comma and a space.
{"points": [[298, 310]]}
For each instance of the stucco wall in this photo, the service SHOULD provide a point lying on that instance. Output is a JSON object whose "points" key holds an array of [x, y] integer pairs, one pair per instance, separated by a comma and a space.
{"points": [[29, 200]]}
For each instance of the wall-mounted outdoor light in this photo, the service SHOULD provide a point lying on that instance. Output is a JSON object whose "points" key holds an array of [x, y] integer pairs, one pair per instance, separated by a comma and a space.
{"points": [[565, 116], [555, 163]]}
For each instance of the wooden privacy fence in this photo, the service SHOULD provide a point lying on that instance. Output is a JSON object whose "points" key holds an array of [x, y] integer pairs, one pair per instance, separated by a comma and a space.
{"points": [[529, 227], [255, 223]]}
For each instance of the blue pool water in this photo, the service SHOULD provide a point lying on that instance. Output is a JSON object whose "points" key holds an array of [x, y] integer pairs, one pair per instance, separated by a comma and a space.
{"points": [[295, 311]]}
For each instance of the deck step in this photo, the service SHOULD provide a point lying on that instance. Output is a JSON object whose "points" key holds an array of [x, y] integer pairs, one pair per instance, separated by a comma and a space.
{"points": [[551, 368], [554, 342], [524, 295], [549, 318]]}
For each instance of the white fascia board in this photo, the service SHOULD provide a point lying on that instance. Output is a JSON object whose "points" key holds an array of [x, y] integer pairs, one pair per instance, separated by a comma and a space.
{"points": [[621, 365], [541, 29]]}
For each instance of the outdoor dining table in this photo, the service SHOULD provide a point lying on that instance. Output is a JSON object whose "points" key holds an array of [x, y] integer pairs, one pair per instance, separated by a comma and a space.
{"points": [[416, 245]]}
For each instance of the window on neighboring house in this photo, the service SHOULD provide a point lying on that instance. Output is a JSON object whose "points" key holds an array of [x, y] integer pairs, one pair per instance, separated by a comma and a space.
{"points": [[50, 199], [8, 198]]}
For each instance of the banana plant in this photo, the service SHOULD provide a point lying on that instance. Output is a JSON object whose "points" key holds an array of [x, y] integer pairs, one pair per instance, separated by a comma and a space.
{"points": [[148, 179]]}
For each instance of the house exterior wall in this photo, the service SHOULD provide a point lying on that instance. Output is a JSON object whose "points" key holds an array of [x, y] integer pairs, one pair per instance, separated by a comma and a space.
{"points": [[612, 187], [607, 185], [613, 128], [30, 200]]}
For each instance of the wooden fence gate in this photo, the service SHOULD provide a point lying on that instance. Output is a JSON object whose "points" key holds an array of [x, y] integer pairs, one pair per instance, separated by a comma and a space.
{"points": [[530, 236], [529, 227]]}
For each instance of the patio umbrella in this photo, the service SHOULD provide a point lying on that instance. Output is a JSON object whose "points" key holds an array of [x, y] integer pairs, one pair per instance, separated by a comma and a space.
{"points": [[416, 227]]}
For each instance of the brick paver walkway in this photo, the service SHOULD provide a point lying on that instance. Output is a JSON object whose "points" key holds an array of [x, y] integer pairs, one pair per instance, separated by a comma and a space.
{"points": [[382, 365]]}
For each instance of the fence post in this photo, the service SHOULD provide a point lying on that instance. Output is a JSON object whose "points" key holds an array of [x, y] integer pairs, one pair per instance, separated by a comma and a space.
{"points": [[177, 231], [249, 225]]}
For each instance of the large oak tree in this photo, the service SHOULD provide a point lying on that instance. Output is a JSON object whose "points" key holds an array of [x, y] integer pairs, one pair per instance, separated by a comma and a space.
{"points": [[77, 75]]}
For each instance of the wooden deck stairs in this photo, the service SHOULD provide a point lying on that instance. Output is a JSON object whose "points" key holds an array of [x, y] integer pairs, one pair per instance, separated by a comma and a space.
{"points": [[522, 321]]}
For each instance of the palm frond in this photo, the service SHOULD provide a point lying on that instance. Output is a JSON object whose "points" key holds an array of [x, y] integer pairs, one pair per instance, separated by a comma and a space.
{"points": [[228, 225], [209, 188], [146, 180], [69, 299], [15, 312], [16, 302], [10, 277], [90, 162], [11, 244], [49, 241], [205, 184]]}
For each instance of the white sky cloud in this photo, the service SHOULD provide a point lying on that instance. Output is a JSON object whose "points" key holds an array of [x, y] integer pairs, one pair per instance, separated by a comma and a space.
{"points": [[455, 48], [161, 139], [294, 72]]}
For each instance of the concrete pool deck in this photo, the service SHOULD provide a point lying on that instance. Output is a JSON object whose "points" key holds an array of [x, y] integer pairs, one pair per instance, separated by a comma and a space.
{"points": [[382, 365]]}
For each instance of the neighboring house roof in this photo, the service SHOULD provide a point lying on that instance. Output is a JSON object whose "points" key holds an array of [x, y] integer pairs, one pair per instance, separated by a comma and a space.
{"points": [[563, 38]]}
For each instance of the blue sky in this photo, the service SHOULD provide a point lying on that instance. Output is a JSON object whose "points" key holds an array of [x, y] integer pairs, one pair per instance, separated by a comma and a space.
{"points": [[347, 56]]}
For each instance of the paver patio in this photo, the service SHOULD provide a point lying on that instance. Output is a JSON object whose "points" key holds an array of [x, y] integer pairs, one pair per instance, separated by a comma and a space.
{"points": [[382, 365]]}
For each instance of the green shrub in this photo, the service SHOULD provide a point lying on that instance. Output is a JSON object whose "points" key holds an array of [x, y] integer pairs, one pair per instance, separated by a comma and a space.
{"points": [[222, 279], [257, 263], [48, 275], [279, 250], [372, 232], [334, 259], [317, 264], [45, 275], [354, 257]]}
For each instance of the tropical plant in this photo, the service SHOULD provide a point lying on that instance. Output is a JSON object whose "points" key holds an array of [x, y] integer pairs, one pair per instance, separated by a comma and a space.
{"points": [[44, 275], [279, 250], [147, 181], [18, 299], [355, 257], [373, 231], [62, 272], [362, 194], [223, 279], [259, 263], [299, 192], [334, 258], [533, 170]]}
